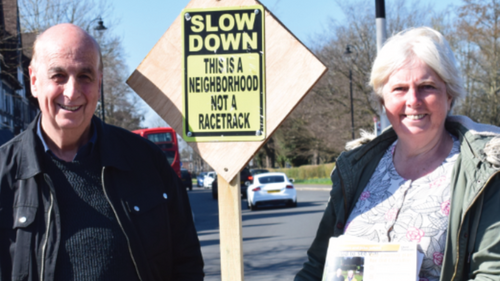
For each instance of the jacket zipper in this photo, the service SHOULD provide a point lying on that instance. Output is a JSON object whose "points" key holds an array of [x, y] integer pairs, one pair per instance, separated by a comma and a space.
{"points": [[44, 247], [462, 222], [119, 223]]}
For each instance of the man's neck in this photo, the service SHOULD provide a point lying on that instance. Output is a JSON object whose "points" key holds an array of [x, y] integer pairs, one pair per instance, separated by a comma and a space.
{"points": [[64, 143]]}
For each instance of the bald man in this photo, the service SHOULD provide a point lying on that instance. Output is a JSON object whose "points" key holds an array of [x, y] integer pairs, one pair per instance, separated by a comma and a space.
{"points": [[82, 200]]}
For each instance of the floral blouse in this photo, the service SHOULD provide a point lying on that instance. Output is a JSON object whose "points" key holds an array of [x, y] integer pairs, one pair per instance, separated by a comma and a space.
{"points": [[394, 209]]}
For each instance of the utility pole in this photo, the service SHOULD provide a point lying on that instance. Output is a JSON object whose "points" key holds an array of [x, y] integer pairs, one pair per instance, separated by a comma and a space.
{"points": [[349, 52], [381, 37]]}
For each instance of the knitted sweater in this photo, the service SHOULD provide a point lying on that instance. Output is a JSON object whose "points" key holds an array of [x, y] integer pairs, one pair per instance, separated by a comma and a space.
{"points": [[93, 246]]}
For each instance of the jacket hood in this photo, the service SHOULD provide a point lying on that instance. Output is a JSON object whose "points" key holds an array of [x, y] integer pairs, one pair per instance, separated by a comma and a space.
{"points": [[476, 131]]}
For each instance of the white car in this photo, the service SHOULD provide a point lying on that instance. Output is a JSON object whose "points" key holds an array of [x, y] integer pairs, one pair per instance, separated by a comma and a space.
{"points": [[271, 189], [209, 179]]}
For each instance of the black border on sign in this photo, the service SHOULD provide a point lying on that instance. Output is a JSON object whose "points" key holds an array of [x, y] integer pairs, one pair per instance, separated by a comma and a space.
{"points": [[260, 51]]}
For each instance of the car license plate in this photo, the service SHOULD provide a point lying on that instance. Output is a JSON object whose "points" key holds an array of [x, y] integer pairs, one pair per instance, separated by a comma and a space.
{"points": [[273, 191]]}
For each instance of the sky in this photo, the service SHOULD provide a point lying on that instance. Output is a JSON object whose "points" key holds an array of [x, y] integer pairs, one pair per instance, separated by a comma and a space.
{"points": [[142, 23]]}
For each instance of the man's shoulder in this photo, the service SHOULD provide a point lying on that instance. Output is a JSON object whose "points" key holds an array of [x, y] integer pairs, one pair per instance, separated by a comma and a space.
{"points": [[18, 157], [15, 144], [124, 139], [121, 133]]}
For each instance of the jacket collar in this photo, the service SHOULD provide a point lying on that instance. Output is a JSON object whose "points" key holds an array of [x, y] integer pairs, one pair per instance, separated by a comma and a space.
{"points": [[112, 148], [32, 150]]}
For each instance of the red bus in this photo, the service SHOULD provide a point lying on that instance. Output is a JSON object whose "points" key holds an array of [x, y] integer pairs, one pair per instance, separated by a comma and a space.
{"points": [[166, 139]]}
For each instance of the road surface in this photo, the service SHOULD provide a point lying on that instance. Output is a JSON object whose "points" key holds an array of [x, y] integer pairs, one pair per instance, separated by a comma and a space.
{"points": [[275, 240]]}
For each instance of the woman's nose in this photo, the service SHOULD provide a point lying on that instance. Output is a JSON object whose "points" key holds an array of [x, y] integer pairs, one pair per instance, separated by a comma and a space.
{"points": [[413, 98]]}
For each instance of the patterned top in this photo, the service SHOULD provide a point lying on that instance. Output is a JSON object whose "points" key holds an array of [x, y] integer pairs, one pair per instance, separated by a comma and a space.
{"points": [[394, 209]]}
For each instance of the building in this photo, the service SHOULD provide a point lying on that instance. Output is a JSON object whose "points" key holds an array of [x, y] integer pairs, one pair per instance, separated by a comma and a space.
{"points": [[17, 106]]}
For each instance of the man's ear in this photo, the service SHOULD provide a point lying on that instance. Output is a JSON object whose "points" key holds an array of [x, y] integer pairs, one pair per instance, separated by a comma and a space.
{"points": [[33, 81]]}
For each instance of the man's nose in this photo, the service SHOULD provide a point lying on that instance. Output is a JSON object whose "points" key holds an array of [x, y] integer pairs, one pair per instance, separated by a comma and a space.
{"points": [[72, 89]]}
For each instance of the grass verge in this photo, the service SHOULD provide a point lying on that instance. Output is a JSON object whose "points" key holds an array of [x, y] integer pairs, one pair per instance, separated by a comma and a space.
{"points": [[325, 181]]}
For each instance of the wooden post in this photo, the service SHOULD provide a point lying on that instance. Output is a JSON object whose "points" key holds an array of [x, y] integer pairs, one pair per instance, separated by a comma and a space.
{"points": [[231, 243]]}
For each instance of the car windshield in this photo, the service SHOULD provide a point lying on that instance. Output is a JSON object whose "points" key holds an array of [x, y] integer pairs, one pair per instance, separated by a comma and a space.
{"points": [[272, 179]]}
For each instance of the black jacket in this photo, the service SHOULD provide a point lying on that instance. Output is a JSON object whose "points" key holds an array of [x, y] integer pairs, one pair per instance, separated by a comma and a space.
{"points": [[145, 194]]}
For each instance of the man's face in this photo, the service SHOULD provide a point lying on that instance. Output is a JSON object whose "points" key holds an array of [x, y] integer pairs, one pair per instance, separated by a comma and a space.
{"points": [[66, 81]]}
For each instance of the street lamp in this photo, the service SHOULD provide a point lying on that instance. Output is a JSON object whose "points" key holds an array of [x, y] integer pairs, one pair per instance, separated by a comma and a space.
{"points": [[348, 52], [100, 27]]}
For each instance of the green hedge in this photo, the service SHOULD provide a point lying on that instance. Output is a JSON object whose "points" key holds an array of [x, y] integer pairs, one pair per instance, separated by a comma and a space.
{"points": [[308, 172]]}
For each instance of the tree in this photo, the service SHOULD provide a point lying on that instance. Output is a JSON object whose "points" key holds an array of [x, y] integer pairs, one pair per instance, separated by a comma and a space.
{"points": [[478, 33], [120, 102], [317, 130]]}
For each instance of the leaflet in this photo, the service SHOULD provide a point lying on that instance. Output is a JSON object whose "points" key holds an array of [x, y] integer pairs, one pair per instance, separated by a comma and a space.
{"points": [[354, 259]]}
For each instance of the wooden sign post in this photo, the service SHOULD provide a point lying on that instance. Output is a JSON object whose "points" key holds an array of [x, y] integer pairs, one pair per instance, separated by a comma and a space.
{"points": [[162, 80]]}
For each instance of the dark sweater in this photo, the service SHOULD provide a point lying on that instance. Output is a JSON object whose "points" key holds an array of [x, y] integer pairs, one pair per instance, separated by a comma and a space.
{"points": [[93, 246]]}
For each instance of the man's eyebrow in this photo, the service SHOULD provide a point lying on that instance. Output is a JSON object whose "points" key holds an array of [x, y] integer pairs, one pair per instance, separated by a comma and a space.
{"points": [[88, 70], [56, 69]]}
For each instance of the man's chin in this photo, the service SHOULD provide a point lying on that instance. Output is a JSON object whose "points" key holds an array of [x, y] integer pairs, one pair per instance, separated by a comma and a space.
{"points": [[71, 125]]}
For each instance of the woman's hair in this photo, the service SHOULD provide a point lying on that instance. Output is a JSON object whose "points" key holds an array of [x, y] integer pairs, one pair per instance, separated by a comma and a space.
{"points": [[422, 43]]}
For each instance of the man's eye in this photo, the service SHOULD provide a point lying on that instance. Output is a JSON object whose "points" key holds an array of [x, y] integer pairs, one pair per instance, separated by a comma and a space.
{"points": [[86, 78], [428, 87], [57, 76]]}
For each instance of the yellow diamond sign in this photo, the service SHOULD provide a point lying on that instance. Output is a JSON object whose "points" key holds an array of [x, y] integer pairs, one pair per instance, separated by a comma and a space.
{"points": [[289, 71], [224, 74]]}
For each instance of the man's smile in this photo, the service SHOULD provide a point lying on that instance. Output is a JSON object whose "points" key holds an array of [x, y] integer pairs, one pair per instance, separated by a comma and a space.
{"points": [[70, 108]]}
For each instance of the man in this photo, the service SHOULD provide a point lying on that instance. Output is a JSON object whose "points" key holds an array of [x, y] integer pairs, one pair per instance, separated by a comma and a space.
{"points": [[338, 276], [81, 200]]}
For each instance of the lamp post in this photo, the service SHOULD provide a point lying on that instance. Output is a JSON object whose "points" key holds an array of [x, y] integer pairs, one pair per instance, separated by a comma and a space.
{"points": [[100, 27], [348, 52]]}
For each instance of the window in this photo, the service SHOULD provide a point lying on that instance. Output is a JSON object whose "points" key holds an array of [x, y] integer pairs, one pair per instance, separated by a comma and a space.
{"points": [[160, 137], [272, 179]]}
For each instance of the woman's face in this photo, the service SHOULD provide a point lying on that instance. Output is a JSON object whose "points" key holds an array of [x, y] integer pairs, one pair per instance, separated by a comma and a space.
{"points": [[416, 102]]}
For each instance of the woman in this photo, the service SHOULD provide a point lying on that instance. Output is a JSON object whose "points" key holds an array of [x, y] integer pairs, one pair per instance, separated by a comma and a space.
{"points": [[431, 178], [350, 276]]}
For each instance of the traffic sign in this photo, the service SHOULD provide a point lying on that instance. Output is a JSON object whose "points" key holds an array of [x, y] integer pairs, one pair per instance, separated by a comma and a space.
{"points": [[224, 74], [286, 71]]}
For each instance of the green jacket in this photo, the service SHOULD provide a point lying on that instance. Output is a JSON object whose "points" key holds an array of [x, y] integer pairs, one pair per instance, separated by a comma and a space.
{"points": [[475, 198]]}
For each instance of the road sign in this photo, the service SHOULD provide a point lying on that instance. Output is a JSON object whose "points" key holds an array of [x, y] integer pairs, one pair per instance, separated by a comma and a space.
{"points": [[224, 74], [291, 70]]}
